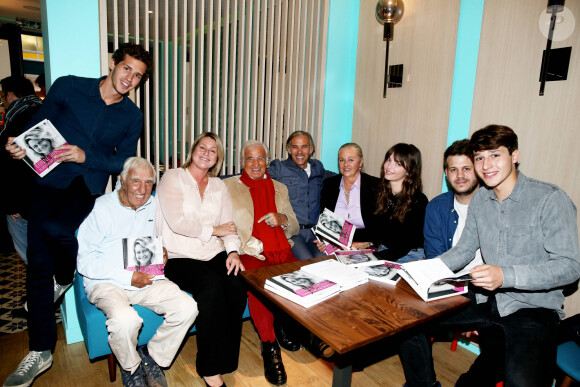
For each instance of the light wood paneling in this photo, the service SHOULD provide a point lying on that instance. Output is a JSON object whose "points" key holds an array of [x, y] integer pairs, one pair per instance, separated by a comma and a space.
{"points": [[72, 368], [418, 113], [506, 92]]}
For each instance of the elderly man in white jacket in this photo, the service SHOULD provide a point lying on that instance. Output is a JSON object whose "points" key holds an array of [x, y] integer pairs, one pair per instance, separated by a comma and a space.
{"points": [[129, 212]]}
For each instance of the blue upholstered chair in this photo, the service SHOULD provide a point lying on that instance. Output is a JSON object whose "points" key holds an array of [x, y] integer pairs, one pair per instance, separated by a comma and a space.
{"points": [[94, 330], [569, 361]]}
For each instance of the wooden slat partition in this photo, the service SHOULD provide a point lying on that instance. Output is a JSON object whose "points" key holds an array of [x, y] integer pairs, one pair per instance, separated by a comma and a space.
{"points": [[244, 69]]}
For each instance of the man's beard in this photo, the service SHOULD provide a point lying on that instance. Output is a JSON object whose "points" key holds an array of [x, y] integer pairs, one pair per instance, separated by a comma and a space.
{"points": [[469, 191]]}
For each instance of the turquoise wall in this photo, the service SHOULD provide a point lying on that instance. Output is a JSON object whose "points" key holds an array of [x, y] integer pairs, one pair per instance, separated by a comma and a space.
{"points": [[339, 80], [70, 30], [466, 52]]}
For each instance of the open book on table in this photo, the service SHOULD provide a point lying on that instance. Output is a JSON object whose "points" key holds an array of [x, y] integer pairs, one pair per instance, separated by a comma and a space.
{"points": [[334, 230], [145, 255], [383, 271], [346, 277], [432, 279], [40, 142]]}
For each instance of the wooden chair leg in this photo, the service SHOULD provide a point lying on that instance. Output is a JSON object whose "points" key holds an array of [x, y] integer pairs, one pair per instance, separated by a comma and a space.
{"points": [[112, 368], [567, 381]]}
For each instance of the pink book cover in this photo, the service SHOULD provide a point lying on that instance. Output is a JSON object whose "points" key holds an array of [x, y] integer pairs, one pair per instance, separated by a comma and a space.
{"points": [[40, 143], [301, 283], [333, 229]]}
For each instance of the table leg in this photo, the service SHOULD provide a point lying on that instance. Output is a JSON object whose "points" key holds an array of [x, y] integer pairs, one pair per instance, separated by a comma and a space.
{"points": [[342, 374]]}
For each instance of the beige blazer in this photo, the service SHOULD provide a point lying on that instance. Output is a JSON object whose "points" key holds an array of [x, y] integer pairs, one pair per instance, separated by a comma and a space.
{"points": [[243, 214]]}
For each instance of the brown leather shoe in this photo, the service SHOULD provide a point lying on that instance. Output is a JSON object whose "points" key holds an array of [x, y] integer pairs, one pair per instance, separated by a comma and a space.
{"points": [[319, 348]]}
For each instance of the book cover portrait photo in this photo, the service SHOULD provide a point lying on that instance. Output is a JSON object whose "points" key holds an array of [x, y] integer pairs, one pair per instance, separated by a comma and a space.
{"points": [[40, 142], [144, 254]]}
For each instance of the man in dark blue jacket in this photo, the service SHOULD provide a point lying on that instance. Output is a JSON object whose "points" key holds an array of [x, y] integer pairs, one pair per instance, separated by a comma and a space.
{"points": [[101, 126], [445, 218], [445, 214], [303, 176]]}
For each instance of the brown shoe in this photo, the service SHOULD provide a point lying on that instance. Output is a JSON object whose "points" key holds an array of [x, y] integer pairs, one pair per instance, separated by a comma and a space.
{"points": [[319, 348]]}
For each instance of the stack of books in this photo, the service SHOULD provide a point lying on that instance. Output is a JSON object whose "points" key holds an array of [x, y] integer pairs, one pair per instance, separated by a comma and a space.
{"points": [[302, 287], [316, 282]]}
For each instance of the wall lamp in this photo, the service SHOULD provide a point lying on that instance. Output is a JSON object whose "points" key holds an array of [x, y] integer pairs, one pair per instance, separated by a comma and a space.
{"points": [[388, 13], [557, 24], [554, 6]]}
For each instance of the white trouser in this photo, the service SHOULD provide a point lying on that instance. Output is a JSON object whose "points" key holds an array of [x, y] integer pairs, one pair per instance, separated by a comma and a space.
{"points": [[123, 322]]}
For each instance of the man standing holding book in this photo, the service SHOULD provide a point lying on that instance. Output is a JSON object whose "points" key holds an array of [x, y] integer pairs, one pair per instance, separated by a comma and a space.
{"points": [[129, 212], [528, 236], [102, 126]]}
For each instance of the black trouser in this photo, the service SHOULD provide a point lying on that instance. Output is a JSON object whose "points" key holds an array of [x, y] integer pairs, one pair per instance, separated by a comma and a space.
{"points": [[221, 301], [528, 348], [55, 215]]}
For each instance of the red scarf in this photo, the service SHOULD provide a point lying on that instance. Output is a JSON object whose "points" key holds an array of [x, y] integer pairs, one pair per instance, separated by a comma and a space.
{"points": [[276, 246]]}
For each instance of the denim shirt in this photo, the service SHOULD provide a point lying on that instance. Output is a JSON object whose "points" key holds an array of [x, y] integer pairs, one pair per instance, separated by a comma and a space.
{"points": [[532, 235], [304, 191], [440, 225]]}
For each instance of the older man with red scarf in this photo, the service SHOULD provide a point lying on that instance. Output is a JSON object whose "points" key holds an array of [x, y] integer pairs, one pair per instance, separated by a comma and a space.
{"points": [[265, 221]]}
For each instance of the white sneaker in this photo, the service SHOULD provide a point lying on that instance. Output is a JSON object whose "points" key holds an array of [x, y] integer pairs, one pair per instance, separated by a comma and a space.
{"points": [[29, 368], [60, 289]]}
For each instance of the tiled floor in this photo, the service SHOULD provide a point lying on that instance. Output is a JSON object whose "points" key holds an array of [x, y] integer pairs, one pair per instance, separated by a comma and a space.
{"points": [[12, 294], [12, 290]]}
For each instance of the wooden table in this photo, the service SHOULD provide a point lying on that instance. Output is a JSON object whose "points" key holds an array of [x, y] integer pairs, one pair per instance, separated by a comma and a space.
{"points": [[356, 317]]}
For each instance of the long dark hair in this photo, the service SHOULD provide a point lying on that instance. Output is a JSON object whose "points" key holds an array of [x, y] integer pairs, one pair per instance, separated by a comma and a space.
{"points": [[410, 158]]}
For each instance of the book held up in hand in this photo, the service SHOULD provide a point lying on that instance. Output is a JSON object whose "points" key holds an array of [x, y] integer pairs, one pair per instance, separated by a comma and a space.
{"points": [[384, 271], [432, 279], [40, 143], [357, 258], [145, 255], [335, 230]]}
